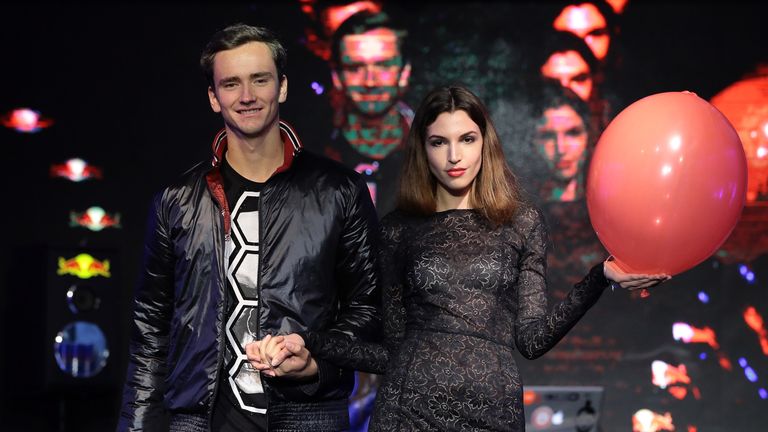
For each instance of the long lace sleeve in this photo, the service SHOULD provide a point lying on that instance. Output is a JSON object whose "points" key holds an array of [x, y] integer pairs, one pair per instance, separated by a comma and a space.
{"points": [[339, 348], [537, 329]]}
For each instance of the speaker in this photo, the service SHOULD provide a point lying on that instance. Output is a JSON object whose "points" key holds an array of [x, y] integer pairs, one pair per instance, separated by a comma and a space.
{"points": [[562, 408], [82, 336]]}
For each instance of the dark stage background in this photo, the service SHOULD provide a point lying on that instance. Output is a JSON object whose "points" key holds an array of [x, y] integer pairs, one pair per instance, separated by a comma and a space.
{"points": [[122, 84]]}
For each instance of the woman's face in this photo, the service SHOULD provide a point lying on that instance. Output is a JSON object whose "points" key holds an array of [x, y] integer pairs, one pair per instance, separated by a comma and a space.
{"points": [[454, 147], [562, 140], [586, 22], [571, 70]]}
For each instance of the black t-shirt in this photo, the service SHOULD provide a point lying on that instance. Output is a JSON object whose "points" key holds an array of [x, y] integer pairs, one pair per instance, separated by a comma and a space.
{"points": [[241, 402]]}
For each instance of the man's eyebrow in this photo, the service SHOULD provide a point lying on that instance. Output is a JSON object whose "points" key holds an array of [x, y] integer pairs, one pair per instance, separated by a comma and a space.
{"points": [[235, 79], [228, 80], [261, 75]]}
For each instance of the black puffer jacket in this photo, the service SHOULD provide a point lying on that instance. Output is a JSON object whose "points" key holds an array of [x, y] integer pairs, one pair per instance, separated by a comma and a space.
{"points": [[317, 233]]}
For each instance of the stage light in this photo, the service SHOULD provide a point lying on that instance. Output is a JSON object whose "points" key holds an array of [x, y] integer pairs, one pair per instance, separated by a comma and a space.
{"points": [[755, 321], [750, 374], [689, 334], [703, 297], [745, 104], [750, 277]]}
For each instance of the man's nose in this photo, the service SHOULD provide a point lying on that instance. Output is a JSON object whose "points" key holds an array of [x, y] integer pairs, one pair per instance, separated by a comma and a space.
{"points": [[248, 95]]}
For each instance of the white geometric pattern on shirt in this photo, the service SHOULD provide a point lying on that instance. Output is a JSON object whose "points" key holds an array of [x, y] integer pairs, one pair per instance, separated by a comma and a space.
{"points": [[243, 274]]}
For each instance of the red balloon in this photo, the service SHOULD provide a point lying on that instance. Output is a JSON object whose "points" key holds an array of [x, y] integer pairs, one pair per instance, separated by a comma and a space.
{"points": [[666, 184]]}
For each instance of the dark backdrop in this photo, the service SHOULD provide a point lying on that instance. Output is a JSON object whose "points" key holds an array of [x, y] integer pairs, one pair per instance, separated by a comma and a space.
{"points": [[122, 83]]}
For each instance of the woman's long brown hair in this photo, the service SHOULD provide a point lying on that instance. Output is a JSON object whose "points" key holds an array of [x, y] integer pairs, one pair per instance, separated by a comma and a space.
{"points": [[495, 191]]}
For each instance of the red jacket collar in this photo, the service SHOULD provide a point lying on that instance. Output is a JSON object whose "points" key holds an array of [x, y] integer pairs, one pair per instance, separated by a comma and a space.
{"points": [[292, 147], [291, 143]]}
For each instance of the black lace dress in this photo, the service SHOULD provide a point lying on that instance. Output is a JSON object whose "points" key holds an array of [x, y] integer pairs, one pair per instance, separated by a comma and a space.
{"points": [[458, 296]]}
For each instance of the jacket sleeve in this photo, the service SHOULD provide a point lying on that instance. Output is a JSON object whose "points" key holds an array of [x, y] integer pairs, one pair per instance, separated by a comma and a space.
{"points": [[358, 318], [538, 329], [358, 290], [142, 406], [372, 357]]}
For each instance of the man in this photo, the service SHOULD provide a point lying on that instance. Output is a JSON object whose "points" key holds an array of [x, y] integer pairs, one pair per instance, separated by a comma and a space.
{"points": [[267, 239], [370, 75]]}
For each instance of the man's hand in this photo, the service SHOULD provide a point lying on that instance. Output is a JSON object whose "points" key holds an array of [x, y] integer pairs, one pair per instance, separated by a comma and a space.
{"points": [[275, 359], [282, 356], [255, 357], [297, 364]]}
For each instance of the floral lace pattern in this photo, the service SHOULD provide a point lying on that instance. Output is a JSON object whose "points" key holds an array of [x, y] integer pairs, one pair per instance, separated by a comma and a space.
{"points": [[458, 296]]}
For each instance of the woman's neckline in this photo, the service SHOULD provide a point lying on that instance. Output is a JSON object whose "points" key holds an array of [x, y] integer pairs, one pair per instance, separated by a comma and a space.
{"points": [[451, 211]]}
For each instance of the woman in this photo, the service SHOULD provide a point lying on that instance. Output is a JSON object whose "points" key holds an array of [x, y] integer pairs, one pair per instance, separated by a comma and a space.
{"points": [[462, 267]]}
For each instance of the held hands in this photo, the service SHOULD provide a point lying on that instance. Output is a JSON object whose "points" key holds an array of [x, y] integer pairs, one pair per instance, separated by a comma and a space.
{"points": [[631, 281], [281, 356]]}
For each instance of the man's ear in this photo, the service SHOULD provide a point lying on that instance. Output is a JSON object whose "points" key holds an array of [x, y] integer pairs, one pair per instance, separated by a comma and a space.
{"points": [[283, 89], [215, 106], [405, 76]]}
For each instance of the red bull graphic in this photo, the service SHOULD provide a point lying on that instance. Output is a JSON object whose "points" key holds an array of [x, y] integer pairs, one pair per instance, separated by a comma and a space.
{"points": [[25, 120], [75, 170], [83, 266], [95, 219]]}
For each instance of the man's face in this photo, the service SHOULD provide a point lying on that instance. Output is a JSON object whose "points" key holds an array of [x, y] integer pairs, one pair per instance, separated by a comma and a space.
{"points": [[570, 69], [562, 140], [371, 70], [247, 91], [586, 22]]}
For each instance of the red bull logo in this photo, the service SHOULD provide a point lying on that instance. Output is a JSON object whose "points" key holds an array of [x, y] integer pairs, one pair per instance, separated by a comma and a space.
{"points": [[83, 266], [76, 170], [95, 219], [25, 120]]}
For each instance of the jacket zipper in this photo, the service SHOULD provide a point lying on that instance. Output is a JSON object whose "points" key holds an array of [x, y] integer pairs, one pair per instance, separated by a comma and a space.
{"points": [[222, 333], [260, 330]]}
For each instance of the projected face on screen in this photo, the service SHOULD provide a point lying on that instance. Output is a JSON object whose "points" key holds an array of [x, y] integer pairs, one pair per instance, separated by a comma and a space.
{"points": [[571, 70], [326, 19], [332, 16], [562, 140], [371, 71], [586, 22]]}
